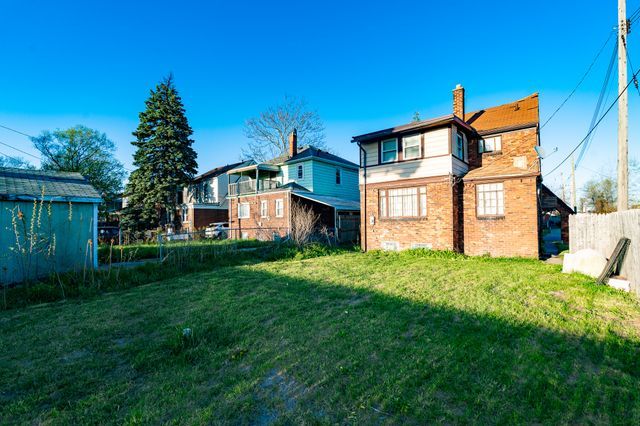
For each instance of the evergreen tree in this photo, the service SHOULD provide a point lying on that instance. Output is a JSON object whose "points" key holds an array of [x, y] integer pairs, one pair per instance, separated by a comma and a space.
{"points": [[164, 158]]}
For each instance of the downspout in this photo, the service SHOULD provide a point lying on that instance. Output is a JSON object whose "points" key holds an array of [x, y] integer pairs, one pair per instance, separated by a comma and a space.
{"points": [[363, 165]]}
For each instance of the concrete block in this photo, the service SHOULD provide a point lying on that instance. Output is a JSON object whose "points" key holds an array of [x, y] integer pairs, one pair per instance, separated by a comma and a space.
{"points": [[587, 261]]}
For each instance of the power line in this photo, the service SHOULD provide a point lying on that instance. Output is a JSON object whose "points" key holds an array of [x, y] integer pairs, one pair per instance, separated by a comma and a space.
{"points": [[9, 156], [16, 131], [584, 76], [596, 125], [596, 111], [19, 150]]}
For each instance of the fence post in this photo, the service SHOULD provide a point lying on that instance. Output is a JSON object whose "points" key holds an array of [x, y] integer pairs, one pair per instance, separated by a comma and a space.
{"points": [[160, 246]]}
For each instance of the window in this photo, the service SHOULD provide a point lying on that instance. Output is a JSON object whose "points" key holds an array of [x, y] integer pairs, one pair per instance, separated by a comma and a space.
{"points": [[243, 211], [411, 147], [185, 214], [460, 145], [279, 208], [264, 208], [403, 202], [490, 198], [493, 144], [338, 176], [300, 172], [389, 150]]}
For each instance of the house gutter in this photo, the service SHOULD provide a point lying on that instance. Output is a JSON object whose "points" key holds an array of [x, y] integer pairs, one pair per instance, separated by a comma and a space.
{"points": [[363, 163]]}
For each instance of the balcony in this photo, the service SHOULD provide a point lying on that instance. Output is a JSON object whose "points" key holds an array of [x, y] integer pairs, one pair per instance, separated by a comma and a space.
{"points": [[249, 186]]}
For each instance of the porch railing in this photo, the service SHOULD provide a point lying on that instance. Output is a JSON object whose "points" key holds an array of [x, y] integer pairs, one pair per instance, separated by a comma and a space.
{"points": [[249, 186]]}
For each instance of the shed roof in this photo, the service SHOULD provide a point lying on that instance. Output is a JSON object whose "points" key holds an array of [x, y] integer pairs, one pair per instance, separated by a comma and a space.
{"points": [[340, 204], [66, 186]]}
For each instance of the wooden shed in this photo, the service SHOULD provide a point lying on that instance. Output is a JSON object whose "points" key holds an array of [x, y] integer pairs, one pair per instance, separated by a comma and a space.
{"points": [[48, 223]]}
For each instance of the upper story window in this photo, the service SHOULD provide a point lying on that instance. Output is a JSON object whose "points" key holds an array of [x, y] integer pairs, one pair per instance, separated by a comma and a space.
{"points": [[493, 144], [300, 171], [403, 202], [490, 199], [459, 145], [411, 147], [389, 150], [185, 214], [338, 176]]}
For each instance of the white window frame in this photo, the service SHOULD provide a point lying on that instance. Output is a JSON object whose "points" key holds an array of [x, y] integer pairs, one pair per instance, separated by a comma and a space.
{"points": [[264, 208], [497, 144], [300, 171], [185, 214], [279, 207], [405, 206], [338, 176], [404, 146], [248, 212], [395, 149], [490, 199]]}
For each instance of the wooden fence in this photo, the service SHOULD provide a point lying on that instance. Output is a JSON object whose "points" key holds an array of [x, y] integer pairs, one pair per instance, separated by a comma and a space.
{"points": [[601, 232]]}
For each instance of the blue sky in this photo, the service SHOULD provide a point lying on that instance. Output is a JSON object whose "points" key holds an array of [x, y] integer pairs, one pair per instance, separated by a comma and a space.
{"points": [[362, 66]]}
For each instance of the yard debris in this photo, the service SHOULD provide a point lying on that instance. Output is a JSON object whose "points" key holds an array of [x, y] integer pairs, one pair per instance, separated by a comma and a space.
{"points": [[586, 261]]}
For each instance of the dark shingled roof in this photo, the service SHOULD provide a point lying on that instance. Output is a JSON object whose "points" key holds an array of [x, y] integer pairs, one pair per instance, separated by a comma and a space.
{"points": [[312, 152], [32, 183], [218, 171]]}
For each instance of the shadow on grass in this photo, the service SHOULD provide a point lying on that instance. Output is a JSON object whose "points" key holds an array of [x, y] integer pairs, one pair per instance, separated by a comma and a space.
{"points": [[275, 349]]}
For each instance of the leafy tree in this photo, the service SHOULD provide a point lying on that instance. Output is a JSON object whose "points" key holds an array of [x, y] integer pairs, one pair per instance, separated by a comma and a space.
{"points": [[164, 157], [269, 132], [600, 195], [86, 151], [416, 117], [15, 162]]}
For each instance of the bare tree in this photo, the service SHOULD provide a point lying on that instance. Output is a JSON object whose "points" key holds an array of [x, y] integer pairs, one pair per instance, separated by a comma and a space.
{"points": [[303, 224], [269, 132]]}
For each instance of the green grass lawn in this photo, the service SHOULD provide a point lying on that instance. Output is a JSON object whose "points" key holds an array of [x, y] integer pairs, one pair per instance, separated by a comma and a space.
{"points": [[353, 338], [133, 252]]}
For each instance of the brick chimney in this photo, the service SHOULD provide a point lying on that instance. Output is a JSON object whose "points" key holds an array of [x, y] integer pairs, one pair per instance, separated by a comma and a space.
{"points": [[293, 143], [458, 101]]}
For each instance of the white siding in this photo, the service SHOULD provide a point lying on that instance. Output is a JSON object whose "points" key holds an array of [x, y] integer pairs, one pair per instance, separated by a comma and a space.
{"points": [[437, 166], [372, 153], [436, 142]]}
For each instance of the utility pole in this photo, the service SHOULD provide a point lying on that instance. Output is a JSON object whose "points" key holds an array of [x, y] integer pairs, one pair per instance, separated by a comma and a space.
{"points": [[573, 185], [623, 112], [564, 198]]}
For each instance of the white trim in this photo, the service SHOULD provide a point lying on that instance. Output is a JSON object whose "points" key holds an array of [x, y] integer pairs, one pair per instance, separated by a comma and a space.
{"points": [[281, 200], [264, 203], [248, 216], [382, 151]]}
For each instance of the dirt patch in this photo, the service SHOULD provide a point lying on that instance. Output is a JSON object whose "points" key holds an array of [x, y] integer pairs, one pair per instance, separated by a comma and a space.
{"points": [[75, 355], [275, 387]]}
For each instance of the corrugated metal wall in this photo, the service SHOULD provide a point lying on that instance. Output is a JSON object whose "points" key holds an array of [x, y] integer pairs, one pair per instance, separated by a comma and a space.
{"points": [[37, 239]]}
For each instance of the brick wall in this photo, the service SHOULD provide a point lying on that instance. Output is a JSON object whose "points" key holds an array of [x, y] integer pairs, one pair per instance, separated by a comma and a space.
{"points": [[256, 226], [514, 144], [436, 229], [515, 234]]}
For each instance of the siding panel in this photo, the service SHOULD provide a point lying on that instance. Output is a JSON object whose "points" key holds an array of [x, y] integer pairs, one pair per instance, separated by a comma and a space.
{"points": [[324, 181], [428, 167], [436, 142]]}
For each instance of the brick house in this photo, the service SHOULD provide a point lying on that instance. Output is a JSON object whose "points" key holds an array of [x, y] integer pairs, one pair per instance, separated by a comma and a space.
{"points": [[468, 182], [204, 200], [260, 195]]}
